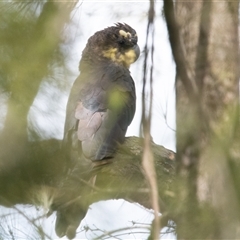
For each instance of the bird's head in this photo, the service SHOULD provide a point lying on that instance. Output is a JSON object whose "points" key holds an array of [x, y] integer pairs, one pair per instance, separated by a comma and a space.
{"points": [[117, 44]]}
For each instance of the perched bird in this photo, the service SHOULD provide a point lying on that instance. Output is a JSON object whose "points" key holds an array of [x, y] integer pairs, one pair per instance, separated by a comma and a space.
{"points": [[100, 108], [102, 101]]}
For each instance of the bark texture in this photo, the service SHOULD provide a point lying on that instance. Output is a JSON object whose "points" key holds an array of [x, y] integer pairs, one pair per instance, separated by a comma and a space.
{"points": [[207, 118]]}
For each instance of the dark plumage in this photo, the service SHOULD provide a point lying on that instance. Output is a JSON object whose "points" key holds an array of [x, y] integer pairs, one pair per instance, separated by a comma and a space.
{"points": [[100, 108], [101, 104]]}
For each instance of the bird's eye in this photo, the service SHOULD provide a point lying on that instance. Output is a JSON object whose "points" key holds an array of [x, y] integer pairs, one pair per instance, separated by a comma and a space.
{"points": [[120, 41]]}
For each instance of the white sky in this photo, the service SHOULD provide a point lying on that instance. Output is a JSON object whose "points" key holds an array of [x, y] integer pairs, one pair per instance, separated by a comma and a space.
{"points": [[49, 107]]}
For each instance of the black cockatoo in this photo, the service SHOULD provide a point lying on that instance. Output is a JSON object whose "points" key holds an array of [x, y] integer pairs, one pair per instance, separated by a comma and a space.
{"points": [[102, 101], [100, 108]]}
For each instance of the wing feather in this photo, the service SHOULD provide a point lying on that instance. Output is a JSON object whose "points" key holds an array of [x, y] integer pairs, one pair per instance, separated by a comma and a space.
{"points": [[96, 114]]}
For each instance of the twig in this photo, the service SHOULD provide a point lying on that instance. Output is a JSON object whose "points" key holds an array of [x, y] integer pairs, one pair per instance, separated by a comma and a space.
{"points": [[148, 158], [40, 230], [109, 233]]}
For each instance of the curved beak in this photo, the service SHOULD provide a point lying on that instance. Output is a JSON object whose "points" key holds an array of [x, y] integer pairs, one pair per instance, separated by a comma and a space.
{"points": [[136, 51]]}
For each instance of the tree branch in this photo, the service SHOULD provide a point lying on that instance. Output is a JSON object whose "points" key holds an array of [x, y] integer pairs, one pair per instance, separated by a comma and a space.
{"points": [[42, 175], [203, 43], [147, 157], [177, 50]]}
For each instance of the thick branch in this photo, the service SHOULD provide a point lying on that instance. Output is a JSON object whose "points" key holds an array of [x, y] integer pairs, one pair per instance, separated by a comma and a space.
{"points": [[203, 43], [43, 172], [177, 50]]}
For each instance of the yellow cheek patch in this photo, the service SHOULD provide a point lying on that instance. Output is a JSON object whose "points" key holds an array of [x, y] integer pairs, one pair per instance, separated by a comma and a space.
{"points": [[110, 53], [126, 58], [125, 34]]}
